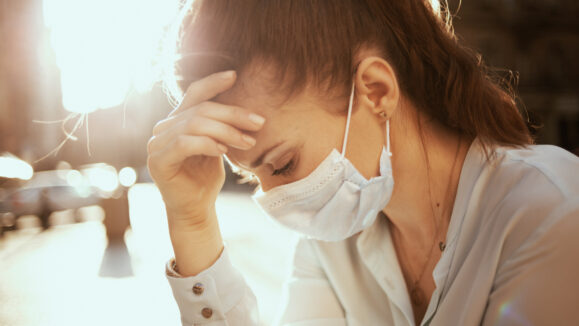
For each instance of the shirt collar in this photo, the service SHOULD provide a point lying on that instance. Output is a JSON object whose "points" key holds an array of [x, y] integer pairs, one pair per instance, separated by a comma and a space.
{"points": [[377, 250]]}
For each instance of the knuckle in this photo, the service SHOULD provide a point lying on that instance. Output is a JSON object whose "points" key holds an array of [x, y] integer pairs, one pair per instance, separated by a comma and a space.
{"points": [[232, 132], [193, 124], [181, 143], [203, 108], [151, 163], [233, 112], [192, 89], [239, 114], [157, 127], [205, 141], [229, 111], [210, 142], [206, 145], [150, 145]]}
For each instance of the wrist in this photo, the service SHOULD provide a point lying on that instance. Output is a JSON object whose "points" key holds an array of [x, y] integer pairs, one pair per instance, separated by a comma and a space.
{"points": [[196, 220], [196, 247]]}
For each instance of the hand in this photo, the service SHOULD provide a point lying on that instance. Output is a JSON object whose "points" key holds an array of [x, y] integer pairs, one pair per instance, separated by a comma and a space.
{"points": [[185, 152]]}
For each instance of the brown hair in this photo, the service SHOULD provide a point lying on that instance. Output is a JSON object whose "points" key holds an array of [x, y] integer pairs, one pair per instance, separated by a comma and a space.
{"points": [[316, 41]]}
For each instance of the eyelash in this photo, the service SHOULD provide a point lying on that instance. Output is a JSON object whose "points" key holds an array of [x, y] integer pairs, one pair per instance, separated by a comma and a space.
{"points": [[286, 170]]}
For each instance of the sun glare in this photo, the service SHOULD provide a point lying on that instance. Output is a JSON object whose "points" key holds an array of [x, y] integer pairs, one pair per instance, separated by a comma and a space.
{"points": [[13, 167], [106, 48]]}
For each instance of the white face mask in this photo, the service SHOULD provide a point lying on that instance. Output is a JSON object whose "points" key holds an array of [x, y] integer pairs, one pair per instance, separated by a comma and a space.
{"points": [[335, 201]]}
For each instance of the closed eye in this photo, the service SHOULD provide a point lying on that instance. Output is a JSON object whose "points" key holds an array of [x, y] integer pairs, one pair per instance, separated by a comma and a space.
{"points": [[285, 170]]}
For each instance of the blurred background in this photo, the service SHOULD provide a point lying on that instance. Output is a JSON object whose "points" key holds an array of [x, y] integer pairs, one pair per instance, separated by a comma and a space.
{"points": [[83, 234]]}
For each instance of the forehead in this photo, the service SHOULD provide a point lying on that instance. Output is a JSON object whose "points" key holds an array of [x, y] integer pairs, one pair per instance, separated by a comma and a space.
{"points": [[291, 122], [284, 123]]}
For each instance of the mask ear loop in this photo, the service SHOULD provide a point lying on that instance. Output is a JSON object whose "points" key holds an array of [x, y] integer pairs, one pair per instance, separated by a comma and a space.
{"points": [[388, 137], [348, 120]]}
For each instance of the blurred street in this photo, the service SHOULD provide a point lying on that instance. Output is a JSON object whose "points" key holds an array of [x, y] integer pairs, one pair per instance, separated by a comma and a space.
{"points": [[68, 65], [71, 275]]}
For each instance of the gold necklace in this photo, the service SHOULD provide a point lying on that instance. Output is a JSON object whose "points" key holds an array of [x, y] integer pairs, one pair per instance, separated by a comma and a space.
{"points": [[442, 244], [417, 296]]}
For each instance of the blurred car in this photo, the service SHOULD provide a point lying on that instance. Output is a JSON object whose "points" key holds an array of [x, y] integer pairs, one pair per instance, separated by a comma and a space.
{"points": [[55, 190], [44, 193]]}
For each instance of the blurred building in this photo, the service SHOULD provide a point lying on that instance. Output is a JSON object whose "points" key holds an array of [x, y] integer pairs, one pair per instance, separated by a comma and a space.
{"points": [[19, 39], [537, 39]]}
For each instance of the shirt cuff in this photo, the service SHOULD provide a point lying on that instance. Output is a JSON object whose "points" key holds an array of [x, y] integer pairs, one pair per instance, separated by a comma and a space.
{"points": [[209, 295]]}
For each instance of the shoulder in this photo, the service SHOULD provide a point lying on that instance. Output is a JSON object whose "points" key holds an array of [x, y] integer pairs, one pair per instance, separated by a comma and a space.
{"points": [[526, 195], [548, 166], [537, 178]]}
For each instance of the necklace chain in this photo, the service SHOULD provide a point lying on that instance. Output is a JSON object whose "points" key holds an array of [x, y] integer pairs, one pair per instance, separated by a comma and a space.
{"points": [[442, 244], [416, 295]]}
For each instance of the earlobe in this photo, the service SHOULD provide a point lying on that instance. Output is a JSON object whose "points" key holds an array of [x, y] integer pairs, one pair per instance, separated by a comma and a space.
{"points": [[377, 86]]}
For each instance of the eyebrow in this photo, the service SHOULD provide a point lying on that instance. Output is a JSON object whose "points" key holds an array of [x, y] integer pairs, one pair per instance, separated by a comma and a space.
{"points": [[259, 160]]}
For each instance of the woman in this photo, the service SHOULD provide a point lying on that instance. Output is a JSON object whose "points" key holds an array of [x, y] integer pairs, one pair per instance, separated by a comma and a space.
{"points": [[371, 130]]}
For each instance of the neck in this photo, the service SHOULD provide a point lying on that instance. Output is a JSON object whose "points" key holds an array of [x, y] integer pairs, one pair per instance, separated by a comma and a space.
{"points": [[426, 169]]}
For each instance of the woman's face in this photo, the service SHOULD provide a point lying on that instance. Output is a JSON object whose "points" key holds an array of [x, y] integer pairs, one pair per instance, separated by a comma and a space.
{"points": [[299, 134]]}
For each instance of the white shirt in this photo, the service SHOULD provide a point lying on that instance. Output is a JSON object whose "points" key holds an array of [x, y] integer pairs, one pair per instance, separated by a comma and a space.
{"points": [[512, 258]]}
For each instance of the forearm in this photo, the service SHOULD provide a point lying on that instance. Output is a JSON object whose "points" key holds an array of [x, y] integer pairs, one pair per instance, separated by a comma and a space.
{"points": [[196, 247]]}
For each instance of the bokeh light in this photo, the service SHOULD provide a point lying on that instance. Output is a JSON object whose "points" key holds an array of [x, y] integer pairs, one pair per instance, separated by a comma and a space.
{"points": [[103, 177], [13, 167], [127, 176], [106, 48], [74, 178]]}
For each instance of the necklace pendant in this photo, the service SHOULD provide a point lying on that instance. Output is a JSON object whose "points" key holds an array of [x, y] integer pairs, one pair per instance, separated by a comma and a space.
{"points": [[442, 246], [417, 297]]}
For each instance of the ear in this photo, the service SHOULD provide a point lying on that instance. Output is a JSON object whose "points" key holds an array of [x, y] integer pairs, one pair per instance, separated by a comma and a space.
{"points": [[377, 86]]}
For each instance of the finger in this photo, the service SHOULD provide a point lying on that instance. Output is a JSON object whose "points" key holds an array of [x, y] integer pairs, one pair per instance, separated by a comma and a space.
{"points": [[201, 126], [181, 148], [205, 89], [238, 117]]}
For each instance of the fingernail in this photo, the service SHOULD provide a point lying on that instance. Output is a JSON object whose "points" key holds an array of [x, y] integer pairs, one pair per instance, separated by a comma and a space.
{"points": [[248, 139], [257, 119], [222, 148], [228, 74]]}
